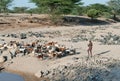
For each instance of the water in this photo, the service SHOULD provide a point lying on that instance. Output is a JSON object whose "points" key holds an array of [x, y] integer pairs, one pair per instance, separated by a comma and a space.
{"points": [[4, 76]]}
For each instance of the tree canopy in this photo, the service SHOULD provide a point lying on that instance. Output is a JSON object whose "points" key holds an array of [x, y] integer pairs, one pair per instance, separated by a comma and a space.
{"points": [[93, 13], [115, 6], [20, 9], [57, 6], [100, 7], [4, 4]]}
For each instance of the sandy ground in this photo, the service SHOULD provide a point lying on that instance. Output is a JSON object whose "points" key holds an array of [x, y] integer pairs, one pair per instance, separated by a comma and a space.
{"points": [[31, 64]]}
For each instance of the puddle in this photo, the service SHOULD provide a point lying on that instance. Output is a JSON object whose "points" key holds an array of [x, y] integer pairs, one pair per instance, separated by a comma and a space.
{"points": [[4, 76]]}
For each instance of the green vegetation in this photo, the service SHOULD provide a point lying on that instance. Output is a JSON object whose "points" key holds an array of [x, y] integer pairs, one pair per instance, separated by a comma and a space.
{"points": [[56, 9], [20, 9], [93, 13], [57, 6], [115, 7], [99, 7], [99, 10], [4, 4], [78, 10]]}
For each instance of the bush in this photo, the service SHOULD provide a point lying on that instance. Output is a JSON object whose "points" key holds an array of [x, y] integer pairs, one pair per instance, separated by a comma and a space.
{"points": [[93, 13], [107, 15]]}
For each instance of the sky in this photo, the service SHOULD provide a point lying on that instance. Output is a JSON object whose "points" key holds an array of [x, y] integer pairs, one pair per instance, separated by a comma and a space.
{"points": [[22, 3], [87, 2], [26, 3]]}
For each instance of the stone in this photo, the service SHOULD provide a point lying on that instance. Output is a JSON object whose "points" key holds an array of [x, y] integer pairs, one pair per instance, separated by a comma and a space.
{"points": [[45, 72], [38, 74], [3, 35], [1, 59], [110, 39], [42, 73], [1, 51], [5, 58], [62, 67], [23, 36], [12, 53], [71, 75], [75, 58], [14, 35]]}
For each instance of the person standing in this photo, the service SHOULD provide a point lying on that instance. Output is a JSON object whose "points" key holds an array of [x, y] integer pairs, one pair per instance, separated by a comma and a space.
{"points": [[90, 46]]}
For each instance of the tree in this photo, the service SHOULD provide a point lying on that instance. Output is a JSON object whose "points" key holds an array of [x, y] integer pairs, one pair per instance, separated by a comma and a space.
{"points": [[20, 9], [100, 7], [57, 7], [93, 13], [63, 6], [4, 4], [78, 10], [115, 6]]}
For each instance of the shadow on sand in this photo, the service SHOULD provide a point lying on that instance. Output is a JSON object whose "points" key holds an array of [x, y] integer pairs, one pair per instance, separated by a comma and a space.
{"points": [[77, 20], [103, 52]]}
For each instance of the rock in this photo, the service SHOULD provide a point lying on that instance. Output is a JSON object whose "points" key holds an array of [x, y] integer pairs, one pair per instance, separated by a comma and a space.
{"points": [[3, 35], [110, 39], [1, 59], [71, 76], [42, 73], [62, 67], [45, 72], [38, 74], [23, 36], [2, 39], [2, 42], [12, 53], [5, 58], [7, 35], [14, 35], [1, 51], [96, 78], [75, 58]]}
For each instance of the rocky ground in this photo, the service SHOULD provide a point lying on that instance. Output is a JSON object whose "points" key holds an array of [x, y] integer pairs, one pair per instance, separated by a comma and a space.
{"points": [[103, 66]]}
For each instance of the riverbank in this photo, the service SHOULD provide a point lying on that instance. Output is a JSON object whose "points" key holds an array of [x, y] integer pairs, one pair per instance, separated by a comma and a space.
{"points": [[104, 64], [98, 68], [26, 76]]}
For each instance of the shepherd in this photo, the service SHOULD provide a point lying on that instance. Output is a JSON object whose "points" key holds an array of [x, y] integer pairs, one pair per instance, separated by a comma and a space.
{"points": [[90, 46]]}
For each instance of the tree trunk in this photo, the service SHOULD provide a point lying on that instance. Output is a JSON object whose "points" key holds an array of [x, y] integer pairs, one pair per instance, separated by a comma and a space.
{"points": [[31, 14], [114, 16], [92, 18]]}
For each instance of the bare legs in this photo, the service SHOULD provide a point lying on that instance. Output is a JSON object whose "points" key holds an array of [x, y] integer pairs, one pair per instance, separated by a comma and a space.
{"points": [[90, 49], [89, 52]]}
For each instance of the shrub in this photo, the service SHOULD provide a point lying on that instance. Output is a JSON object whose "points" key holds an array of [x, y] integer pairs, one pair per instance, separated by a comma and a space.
{"points": [[107, 15], [93, 13]]}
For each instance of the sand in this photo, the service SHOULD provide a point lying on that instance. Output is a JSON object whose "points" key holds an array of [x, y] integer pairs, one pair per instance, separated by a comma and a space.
{"points": [[30, 64]]}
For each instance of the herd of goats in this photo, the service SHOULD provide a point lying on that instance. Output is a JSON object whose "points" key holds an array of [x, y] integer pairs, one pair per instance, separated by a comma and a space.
{"points": [[50, 49]]}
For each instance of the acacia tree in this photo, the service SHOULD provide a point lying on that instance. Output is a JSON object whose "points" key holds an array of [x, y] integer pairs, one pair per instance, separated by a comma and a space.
{"points": [[20, 9], [115, 6], [93, 13], [100, 7], [4, 4], [57, 7]]}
